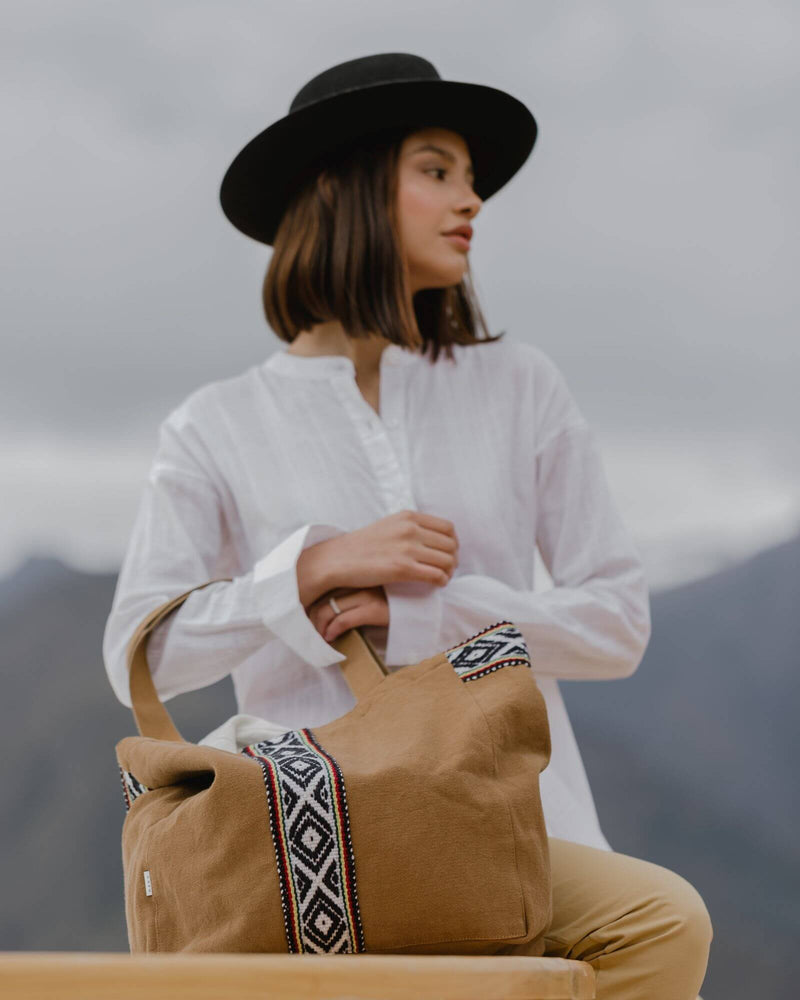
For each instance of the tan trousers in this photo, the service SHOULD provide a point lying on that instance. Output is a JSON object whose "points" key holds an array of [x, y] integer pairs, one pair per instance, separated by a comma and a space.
{"points": [[644, 929]]}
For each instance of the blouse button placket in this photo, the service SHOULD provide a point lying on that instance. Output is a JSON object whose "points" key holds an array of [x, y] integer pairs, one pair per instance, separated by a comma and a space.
{"points": [[380, 449]]}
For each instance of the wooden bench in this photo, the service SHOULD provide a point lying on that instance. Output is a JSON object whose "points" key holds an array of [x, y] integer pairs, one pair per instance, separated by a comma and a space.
{"points": [[32, 975]]}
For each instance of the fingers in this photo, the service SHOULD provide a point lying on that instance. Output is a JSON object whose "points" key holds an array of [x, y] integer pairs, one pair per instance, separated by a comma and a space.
{"points": [[322, 614], [437, 540], [437, 524], [344, 621], [370, 612], [437, 550], [358, 607], [323, 605]]}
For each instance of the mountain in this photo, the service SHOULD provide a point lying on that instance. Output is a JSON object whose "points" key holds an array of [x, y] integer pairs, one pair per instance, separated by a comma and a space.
{"points": [[691, 760], [61, 793]]}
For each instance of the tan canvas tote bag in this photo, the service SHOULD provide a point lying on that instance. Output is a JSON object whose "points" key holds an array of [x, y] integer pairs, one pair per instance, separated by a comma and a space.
{"points": [[413, 823]]}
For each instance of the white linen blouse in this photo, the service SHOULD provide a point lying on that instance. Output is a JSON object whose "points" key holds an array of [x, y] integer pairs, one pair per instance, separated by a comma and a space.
{"points": [[251, 470]]}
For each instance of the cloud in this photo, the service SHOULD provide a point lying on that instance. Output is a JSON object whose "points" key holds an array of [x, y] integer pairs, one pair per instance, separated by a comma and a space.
{"points": [[648, 245]]}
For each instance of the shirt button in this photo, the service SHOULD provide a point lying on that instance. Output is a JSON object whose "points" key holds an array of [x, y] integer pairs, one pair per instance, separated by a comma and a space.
{"points": [[392, 423]]}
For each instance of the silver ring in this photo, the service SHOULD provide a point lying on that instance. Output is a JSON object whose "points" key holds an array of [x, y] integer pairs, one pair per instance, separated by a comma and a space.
{"points": [[334, 605]]}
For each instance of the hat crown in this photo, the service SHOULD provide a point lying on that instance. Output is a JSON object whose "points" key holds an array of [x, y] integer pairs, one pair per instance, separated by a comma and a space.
{"points": [[366, 71]]}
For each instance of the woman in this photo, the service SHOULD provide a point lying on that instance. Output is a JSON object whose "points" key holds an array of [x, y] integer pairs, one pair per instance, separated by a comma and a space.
{"points": [[356, 478]]}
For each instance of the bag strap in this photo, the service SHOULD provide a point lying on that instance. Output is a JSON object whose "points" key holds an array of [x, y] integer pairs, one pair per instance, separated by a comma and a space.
{"points": [[362, 669]]}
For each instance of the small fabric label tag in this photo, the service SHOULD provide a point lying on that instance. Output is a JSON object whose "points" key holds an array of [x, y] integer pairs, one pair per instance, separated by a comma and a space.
{"points": [[148, 886]]}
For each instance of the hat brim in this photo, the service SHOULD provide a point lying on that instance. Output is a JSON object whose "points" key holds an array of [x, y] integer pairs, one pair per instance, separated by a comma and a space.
{"points": [[499, 130]]}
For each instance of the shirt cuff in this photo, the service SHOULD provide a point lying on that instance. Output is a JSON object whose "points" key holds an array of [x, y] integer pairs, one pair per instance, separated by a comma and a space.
{"points": [[415, 616], [277, 593]]}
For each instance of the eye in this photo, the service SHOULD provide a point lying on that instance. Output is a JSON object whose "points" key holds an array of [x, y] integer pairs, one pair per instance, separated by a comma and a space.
{"points": [[443, 170]]}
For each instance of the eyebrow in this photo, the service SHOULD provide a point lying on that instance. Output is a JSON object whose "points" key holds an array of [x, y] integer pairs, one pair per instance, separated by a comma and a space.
{"points": [[445, 153]]}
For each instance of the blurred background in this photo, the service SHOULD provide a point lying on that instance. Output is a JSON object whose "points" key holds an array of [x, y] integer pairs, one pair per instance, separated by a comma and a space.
{"points": [[648, 246]]}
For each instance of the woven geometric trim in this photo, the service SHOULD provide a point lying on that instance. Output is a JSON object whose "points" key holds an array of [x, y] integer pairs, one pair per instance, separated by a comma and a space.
{"points": [[488, 650], [131, 788], [311, 835]]}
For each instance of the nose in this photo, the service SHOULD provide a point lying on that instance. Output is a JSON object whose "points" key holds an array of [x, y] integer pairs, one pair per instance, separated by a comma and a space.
{"points": [[474, 201]]}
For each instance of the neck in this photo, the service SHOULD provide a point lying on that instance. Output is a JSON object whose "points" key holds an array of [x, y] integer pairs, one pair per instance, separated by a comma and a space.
{"points": [[330, 338]]}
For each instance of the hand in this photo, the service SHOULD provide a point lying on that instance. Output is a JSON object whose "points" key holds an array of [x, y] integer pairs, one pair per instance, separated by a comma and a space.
{"points": [[367, 606], [405, 546]]}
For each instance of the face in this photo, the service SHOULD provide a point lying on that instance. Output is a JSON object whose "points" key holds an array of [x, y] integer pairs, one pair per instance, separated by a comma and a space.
{"points": [[434, 195]]}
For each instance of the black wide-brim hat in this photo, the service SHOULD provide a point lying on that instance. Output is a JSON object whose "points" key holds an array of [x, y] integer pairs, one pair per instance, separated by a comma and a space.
{"points": [[356, 101]]}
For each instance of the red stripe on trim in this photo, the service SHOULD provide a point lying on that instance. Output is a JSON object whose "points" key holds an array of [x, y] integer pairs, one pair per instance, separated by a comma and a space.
{"points": [[282, 853], [350, 873], [508, 661]]}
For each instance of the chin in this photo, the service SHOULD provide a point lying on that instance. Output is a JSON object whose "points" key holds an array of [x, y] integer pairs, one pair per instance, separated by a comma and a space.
{"points": [[444, 276]]}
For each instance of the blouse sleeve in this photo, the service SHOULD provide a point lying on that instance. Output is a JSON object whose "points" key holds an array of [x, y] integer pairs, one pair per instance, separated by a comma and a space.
{"points": [[594, 624], [180, 539]]}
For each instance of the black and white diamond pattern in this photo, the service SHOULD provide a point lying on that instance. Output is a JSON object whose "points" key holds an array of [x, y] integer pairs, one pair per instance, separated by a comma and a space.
{"points": [[494, 647], [312, 842]]}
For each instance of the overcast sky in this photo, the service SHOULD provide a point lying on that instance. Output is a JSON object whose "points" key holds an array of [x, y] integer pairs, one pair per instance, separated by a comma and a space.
{"points": [[648, 245]]}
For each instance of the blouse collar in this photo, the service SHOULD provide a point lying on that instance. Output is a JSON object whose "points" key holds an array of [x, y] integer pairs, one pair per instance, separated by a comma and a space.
{"points": [[327, 365]]}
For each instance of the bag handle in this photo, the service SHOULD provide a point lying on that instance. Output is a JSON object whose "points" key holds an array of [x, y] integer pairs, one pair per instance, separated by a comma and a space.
{"points": [[362, 669]]}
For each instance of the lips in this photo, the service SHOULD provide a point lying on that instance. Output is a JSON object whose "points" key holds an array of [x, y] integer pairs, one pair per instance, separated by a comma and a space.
{"points": [[465, 231], [458, 239]]}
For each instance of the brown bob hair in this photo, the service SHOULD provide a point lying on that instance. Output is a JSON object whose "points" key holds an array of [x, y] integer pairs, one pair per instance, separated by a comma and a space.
{"points": [[336, 257]]}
